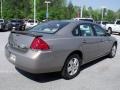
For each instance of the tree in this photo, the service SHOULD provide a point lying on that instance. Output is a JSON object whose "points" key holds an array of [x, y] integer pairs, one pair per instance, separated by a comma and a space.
{"points": [[85, 12], [110, 15], [90, 11], [71, 11], [118, 14], [58, 9], [16, 8]]}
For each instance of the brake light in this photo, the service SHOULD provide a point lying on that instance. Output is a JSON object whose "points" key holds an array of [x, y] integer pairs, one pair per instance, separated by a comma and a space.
{"points": [[39, 44]]}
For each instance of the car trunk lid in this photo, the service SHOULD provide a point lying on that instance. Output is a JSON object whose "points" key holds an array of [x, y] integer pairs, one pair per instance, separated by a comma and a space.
{"points": [[22, 39]]}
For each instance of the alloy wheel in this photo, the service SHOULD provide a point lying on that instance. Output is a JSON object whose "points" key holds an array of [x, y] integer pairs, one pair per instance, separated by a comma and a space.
{"points": [[73, 66]]}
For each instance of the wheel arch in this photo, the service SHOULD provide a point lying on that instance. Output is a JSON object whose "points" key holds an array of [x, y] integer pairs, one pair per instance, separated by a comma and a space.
{"points": [[75, 52], [110, 28], [63, 70]]}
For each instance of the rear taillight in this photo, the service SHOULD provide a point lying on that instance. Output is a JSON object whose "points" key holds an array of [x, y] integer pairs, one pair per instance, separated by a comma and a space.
{"points": [[39, 44]]}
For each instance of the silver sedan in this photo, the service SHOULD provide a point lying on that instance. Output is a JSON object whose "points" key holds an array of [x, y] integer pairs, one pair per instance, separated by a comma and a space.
{"points": [[59, 46]]}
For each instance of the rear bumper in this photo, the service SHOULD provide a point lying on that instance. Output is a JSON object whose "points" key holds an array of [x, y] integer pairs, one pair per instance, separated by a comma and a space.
{"points": [[33, 61]]}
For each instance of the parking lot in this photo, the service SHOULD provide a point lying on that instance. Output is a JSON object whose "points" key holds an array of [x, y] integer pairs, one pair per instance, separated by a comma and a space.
{"points": [[102, 74]]}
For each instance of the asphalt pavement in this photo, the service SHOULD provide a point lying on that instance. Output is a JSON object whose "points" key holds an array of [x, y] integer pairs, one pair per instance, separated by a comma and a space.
{"points": [[102, 74]]}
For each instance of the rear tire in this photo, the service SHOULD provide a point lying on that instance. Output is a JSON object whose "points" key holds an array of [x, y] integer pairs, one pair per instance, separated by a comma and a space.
{"points": [[113, 51], [110, 30], [71, 67]]}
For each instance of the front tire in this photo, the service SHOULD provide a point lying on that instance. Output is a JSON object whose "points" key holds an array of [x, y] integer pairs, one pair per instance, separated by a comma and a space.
{"points": [[72, 67], [113, 51]]}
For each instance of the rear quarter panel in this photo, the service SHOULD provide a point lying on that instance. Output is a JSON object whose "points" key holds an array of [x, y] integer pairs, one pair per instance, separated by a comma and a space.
{"points": [[61, 47]]}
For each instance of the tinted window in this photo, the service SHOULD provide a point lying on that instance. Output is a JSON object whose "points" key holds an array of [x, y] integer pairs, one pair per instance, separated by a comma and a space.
{"points": [[20, 21], [17, 21], [86, 30], [89, 20], [13, 20], [49, 27], [118, 22], [104, 23], [1, 20], [98, 22], [99, 31], [32, 21]]}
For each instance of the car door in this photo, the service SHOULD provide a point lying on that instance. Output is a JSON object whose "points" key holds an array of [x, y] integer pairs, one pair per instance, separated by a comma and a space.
{"points": [[117, 26], [89, 42], [104, 44]]}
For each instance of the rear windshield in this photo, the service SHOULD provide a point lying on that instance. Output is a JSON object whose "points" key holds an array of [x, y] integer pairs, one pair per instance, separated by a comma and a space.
{"points": [[49, 27], [32, 21], [1, 20], [98, 22], [19, 21], [104, 23]]}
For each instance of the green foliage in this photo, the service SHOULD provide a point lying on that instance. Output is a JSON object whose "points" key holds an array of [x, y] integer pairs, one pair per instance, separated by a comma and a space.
{"points": [[58, 9], [111, 16]]}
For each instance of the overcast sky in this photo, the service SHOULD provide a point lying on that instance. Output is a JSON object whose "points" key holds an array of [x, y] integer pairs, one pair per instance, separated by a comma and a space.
{"points": [[111, 4]]}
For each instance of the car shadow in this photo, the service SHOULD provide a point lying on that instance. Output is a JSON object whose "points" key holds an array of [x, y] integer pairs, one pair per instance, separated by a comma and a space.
{"points": [[48, 77], [85, 66], [4, 30], [41, 78]]}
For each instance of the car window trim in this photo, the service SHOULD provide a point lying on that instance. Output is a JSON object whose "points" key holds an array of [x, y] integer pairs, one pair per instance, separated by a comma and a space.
{"points": [[78, 31]]}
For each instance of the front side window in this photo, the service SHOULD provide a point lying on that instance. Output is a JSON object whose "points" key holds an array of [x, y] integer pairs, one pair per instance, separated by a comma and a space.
{"points": [[99, 31], [86, 30]]}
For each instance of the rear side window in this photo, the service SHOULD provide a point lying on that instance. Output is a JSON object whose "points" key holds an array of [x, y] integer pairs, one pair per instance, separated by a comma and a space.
{"points": [[49, 27], [86, 30]]}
